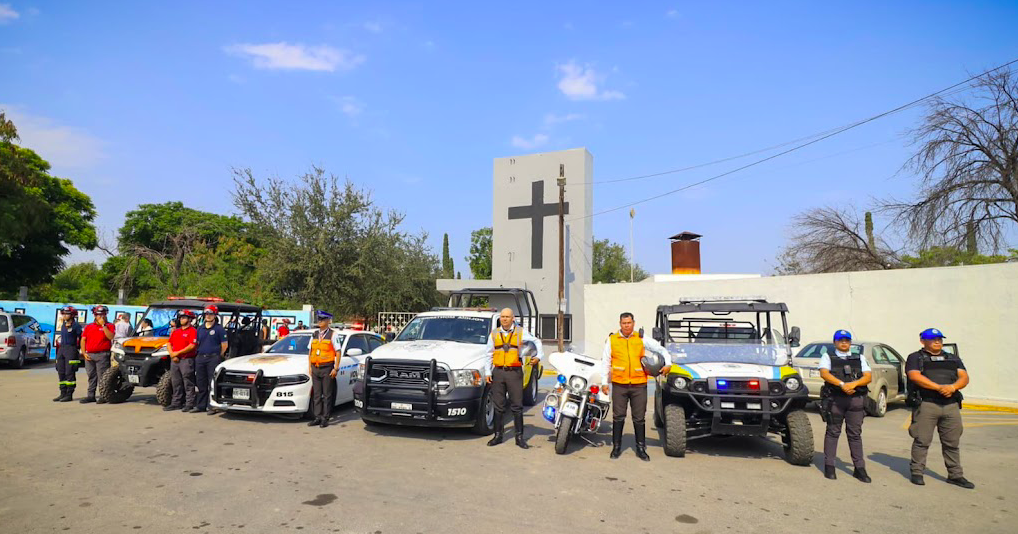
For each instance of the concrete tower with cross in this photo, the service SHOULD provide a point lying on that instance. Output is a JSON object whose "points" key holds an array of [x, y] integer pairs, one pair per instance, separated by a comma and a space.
{"points": [[525, 231]]}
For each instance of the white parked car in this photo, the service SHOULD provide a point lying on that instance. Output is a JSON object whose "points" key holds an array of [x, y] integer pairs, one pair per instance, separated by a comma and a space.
{"points": [[277, 382], [22, 339]]}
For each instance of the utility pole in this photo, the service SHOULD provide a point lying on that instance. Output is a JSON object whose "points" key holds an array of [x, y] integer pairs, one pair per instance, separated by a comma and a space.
{"points": [[561, 256], [632, 255]]}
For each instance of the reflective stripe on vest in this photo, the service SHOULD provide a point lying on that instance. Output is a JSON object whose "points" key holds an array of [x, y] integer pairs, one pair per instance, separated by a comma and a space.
{"points": [[322, 351], [626, 354], [507, 348]]}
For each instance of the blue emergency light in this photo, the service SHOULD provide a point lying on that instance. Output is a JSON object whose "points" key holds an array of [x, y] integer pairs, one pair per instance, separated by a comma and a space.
{"points": [[561, 379], [722, 384], [549, 413]]}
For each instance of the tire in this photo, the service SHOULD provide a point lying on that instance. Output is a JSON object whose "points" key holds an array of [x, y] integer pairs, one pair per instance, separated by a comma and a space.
{"points": [[562, 434], [675, 431], [658, 421], [877, 408], [111, 387], [530, 394], [799, 440], [20, 362], [484, 421], [164, 390]]}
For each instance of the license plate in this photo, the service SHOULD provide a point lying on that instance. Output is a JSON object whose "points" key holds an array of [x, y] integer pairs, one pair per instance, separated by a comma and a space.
{"points": [[241, 394], [402, 406], [134, 379], [814, 373], [571, 409]]}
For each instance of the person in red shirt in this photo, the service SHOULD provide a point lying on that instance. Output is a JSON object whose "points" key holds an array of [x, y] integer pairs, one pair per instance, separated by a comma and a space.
{"points": [[96, 342], [183, 348], [283, 329]]}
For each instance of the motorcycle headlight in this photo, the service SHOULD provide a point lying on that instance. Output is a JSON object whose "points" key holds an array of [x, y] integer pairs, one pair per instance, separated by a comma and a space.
{"points": [[792, 383], [577, 384], [290, 380], [679, 382], [466, 378]]}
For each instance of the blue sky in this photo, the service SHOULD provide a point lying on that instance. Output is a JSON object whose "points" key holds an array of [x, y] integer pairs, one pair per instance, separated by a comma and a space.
{"points": [[140, 102]]}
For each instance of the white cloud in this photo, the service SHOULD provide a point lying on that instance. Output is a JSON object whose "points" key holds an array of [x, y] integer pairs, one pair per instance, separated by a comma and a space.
{"points": [[373, 27], [296, 56], [672, 13], [529, 144], [552, 119], [7, 13], [350, 106], [579, 82], [63, 146]]}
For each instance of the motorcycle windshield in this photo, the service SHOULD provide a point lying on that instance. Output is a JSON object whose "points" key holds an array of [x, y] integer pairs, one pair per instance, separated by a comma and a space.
{"points": [[756, 354]]}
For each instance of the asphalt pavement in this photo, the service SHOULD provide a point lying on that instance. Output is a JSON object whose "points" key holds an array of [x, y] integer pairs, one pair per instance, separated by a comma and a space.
{"points": [[68, 467]]}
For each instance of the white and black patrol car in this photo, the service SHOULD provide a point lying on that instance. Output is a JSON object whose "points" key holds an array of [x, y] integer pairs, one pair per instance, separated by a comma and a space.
{"points": [[277, 382]]}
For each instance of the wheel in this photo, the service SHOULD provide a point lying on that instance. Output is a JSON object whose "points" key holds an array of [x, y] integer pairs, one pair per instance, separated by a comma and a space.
{"points": [[877, 408], [658, 421], [44, 357], [562, 433], [111, 387], [799, 439], [484, 421], [164, 390], [530, 394], [675, 430], [20, 362]]}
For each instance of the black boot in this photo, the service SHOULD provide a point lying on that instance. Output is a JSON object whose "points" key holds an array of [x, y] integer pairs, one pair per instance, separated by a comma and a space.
{"points": [[68, 394], [497, 438], [63, 393], [518, 426], [315, 422], [641, 441], [860, 473], [830, 473], [616, 440]]}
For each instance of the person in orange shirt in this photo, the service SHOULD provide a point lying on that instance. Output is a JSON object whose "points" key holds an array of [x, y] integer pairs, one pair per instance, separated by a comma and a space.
{"points": [[505, 372], [622, 363], [324, 353]]}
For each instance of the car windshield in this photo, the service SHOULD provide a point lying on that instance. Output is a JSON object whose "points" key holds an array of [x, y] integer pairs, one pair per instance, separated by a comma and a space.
{"points": [[817, 350], [295, 344], [160, 318], [461, 329], [728, 352]]}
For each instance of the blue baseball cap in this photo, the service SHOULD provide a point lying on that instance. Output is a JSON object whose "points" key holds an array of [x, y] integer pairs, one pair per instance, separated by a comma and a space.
{"points": [[842, 334], [931, 333], [321, 314]]}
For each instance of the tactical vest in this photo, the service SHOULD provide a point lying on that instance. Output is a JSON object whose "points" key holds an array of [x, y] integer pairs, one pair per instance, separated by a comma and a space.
{"points": [[322, 350], [507, 348], [626, 355], [847, 370], [941, 369]]}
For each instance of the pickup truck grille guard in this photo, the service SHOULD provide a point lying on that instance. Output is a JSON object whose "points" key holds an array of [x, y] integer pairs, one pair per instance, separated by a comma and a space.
{"points": [[410, 376]]}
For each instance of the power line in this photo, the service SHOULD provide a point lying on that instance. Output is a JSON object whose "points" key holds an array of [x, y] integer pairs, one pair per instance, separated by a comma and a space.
{"points": [[831, 133]]}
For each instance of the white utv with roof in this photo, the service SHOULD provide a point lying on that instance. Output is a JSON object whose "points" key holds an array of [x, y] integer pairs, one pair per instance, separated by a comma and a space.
{"points": [[731, 375], [434, 372]]}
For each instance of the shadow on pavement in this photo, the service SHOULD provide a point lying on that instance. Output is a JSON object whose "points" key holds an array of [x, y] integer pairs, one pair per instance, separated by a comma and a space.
{"points": [[901, 465]]}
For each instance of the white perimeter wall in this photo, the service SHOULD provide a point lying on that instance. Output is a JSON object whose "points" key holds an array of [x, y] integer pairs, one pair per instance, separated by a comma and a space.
{"points": [[976, 306]]}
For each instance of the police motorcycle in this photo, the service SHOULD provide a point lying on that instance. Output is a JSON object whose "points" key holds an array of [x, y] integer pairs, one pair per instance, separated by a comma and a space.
{"points": [[577, 405]]}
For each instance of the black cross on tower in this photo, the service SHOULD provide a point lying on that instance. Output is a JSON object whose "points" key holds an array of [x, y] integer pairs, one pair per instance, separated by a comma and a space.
{"points": [[536, 212]]}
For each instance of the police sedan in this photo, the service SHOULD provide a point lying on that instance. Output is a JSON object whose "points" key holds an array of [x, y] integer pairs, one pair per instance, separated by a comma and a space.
{"points": [[277, 382]]}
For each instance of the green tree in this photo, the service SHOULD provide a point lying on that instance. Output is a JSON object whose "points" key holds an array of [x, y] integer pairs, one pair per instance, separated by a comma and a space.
{"points": [[328, 245], [448, 270], [83, 282], [480, 254], [42, 216], [611, 264], [944, 256]]}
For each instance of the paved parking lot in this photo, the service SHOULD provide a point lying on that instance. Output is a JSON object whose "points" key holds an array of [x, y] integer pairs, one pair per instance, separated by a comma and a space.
{"points": [[67, 467]]}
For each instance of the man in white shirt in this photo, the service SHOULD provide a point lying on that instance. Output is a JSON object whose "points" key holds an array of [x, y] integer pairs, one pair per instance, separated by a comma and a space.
{"points": [[505, 372], [122, 327], [845, 375]]}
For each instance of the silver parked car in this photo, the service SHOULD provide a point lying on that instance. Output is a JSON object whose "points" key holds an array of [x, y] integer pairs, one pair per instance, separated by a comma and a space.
{"points": [[21, 338], [886, 365]]}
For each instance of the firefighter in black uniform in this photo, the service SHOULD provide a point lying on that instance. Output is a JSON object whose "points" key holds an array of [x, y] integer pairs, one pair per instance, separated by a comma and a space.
{"points": [[935, 380], [843, 398], [68, 354]]}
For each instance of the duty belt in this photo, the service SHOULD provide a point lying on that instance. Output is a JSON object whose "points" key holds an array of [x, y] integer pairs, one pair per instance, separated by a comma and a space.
{"points": [[509, 367], [330, 364]]}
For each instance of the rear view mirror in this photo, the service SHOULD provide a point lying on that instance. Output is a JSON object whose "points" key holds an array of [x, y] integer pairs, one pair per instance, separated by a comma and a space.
{"points": [[354, 352], [794, 336]]}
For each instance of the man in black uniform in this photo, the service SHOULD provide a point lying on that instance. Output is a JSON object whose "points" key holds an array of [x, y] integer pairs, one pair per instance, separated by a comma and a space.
{"points": [[936, 377], [68, 354], [845, 375]]}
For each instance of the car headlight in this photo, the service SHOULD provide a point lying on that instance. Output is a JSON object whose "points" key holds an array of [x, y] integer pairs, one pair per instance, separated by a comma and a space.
{"points": [[679, 382], [290, 380], [577, 384], [117, 347], [360, 371], [792, 383], [465, 378]]}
